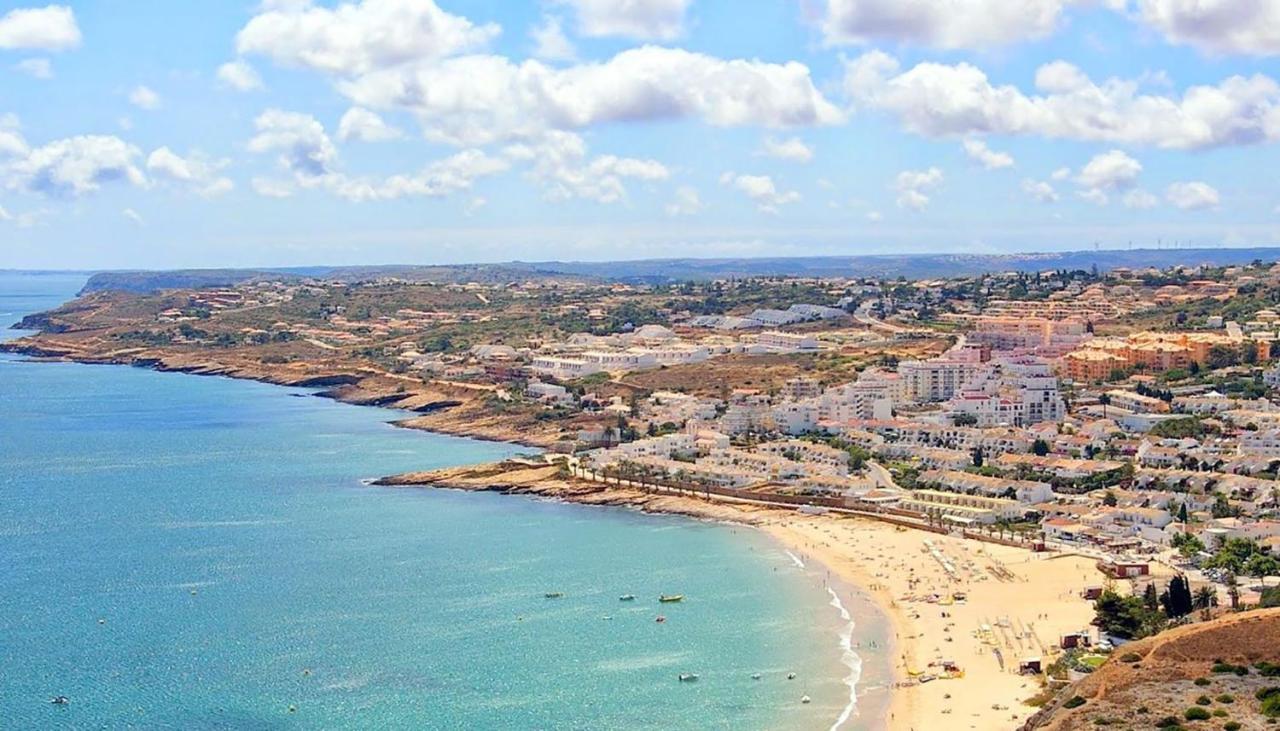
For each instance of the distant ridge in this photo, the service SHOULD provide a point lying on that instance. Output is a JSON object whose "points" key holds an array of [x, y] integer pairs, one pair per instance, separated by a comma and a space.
{"points": [[657, 271]]}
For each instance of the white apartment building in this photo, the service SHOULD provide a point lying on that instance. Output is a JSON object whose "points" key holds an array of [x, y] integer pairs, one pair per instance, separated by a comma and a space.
{"points": [[787, 342], [564, 368], [1264, 442], [925, 381]]}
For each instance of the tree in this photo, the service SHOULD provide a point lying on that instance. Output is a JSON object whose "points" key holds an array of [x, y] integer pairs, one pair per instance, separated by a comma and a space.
{"points": [[1177, 599], [1262, 565], [1182, 518], [1039, 447], [1150, 599], [977, 457], [1109, 499], [1205, 598]]}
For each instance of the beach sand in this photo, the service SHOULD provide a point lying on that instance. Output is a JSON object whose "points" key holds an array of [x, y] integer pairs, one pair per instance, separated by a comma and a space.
{"points": [[1027, 600]]}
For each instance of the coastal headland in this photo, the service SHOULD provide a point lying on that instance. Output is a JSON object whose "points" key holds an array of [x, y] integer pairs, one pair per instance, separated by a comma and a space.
{"points": [[964, 613]]}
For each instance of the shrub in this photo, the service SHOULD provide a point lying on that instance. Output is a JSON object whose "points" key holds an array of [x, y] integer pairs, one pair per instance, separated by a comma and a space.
{"points": [[1204, 700], [1196, 713], [1203, 681], [1226, 698], [1130, 657], [1219, 713], [1169, 722], [1074, 701], [1231, 726], [1270, 698]]}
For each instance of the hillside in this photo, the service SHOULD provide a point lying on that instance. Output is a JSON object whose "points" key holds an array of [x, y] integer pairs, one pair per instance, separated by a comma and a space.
{"points": [[1148, 682]]}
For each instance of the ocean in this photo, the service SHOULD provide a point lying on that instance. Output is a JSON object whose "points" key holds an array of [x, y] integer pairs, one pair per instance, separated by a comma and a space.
{"points": [[201, 553]]}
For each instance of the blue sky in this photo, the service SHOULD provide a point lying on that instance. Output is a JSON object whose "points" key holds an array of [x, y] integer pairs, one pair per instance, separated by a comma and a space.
{"points": [[160, 134]]}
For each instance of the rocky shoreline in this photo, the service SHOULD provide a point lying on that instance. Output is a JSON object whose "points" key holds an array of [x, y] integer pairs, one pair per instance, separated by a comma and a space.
{"points": [[548, 482], [435, 408]]}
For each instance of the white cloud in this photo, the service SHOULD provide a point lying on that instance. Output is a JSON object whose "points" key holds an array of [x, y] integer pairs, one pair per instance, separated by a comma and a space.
{"points": [[36, 68], [143, 97], [240, 76], [1096, 196], [1040, 191], [686, 203], [480, 99], [1138, 198], [356, 38], [874, 216], [912, 186], [550, 42], [978, 151], [69, 167], [1113, 170], [365, 126], [307, 153], [636, 19], [194, 171], [761, 190], [51, 28], [974, 24], [559, 163], [134, 216], [1217, 26], [939, 100], [1192, 196], [792, 149], [1061, 174], [304, 148]]}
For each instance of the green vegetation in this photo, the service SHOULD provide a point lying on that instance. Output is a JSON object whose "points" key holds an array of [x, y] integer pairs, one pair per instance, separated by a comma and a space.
{"points": [[1074, 701], [1270, 701], [1196, 713]]}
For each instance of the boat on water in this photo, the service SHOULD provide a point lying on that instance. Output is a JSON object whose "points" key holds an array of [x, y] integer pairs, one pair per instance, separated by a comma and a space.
{"points": [[627, 598], [554, 594], [755, 676], [688, 677], [804, 699], [660, 619], [60, 700], [670, 598]]}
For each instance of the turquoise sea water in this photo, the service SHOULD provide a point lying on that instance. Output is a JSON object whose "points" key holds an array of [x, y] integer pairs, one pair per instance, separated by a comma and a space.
{"points": [[185, 552]]}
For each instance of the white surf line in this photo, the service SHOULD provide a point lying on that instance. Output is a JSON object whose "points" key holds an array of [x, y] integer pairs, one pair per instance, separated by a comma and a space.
{"points": [[850, 659], [795, 558]]}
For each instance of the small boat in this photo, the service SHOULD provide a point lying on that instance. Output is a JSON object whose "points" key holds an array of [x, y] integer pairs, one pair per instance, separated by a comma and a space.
{"points": [[670, 598], [791, 676], [688, 677], [755, 676], [627, 598], [804, 699], [60, 700], [660, 619], [553, 594]]}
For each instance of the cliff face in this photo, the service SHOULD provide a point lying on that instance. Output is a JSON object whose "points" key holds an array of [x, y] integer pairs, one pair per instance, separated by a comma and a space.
{"points": [[1163, 676]]}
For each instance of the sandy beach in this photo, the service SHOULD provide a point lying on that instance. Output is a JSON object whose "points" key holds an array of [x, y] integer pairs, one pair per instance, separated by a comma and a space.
{"points": [[1026, 600]]}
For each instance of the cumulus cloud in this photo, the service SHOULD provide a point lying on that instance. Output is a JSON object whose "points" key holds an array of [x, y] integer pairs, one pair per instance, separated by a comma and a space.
{"points": [[560, 164], [761, 190], [975, 24], [134, 216], [479, 99], [36, 68], [687, 202], [636, 19], [792, 149], [1217, 26], [239, 75], [1040, 190], [409, 55], [356, 38], [68, 167], [196, 172], [309, 156], [363, 125], [1192, 196], [550, 42], [51, 28], [939, 100], [988, 158], [913, 186], [143, 97], [1110, 170]]}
